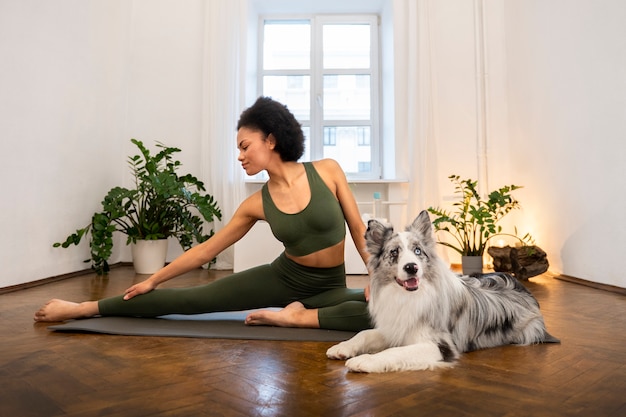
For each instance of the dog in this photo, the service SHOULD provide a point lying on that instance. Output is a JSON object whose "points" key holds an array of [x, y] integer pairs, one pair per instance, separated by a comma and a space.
{"points": [[424, 315]]}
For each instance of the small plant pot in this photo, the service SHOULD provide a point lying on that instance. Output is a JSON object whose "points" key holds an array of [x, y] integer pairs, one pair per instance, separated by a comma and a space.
{"points": [[149, 255], [472, 265]]}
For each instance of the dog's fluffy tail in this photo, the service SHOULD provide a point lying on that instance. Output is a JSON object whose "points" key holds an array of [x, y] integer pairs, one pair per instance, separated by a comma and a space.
{"points": [[548, 338]]}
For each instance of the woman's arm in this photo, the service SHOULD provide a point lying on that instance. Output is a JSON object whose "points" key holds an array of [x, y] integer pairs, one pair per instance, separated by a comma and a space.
{"points": [[340, 187], [353, 217], [242, 221], [351, 214]]}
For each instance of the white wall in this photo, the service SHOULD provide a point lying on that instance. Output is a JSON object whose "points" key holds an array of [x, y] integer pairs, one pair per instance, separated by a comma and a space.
{"points": [[62, 97], [566, 62], [78, 79]]}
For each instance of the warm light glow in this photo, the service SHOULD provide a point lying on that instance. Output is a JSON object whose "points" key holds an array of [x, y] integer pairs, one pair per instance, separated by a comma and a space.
{"points": [[501, 243]]}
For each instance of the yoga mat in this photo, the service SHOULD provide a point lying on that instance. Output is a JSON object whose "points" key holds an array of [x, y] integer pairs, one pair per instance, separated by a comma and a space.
{"points": [[228, 325]]}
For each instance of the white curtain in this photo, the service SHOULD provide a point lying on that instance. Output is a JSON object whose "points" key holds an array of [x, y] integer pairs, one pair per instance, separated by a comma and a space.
{"points": [[416, 155], [223, 100]]}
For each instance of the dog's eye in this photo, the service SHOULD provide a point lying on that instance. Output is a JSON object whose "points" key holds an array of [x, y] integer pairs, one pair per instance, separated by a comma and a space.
{"points": [[393, 253], [417, 251]]}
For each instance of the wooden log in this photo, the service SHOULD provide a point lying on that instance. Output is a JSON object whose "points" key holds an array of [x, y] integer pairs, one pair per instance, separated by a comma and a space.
{"points": [[528, 261], [501, 258], [524, 262]]}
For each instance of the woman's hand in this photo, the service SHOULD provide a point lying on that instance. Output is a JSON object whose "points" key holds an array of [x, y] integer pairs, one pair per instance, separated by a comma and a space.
{"points": [[138, 289], [367, 293]]}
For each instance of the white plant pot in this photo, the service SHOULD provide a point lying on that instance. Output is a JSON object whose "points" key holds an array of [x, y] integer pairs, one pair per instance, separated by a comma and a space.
{"points": [[149, 255], [472, 265]]}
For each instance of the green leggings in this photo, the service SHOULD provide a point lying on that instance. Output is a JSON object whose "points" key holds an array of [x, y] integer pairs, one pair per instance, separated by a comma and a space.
{"points": [[274, 285]]}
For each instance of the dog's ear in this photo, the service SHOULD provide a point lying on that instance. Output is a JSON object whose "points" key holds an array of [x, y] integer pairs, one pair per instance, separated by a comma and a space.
{"points": [[422, 225], [375, 236]]}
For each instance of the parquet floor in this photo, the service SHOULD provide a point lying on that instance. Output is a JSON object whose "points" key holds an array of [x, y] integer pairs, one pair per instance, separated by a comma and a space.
{"points": [[43, 373]]}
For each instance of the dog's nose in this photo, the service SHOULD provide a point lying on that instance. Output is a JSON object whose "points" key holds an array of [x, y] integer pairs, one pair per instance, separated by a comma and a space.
{"points": [[410, 268]]}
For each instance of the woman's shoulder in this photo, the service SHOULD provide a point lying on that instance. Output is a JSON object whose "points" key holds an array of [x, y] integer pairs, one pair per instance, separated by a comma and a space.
{"points": [[252, 206], [331, 172], [328, 165]]}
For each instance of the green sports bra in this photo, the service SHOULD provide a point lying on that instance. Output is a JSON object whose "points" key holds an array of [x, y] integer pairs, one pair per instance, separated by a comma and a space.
{"points": [[318, 226]]}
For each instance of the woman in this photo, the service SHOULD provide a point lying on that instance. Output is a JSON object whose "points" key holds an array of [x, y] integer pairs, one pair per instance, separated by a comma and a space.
{"points": [[306, 206]]}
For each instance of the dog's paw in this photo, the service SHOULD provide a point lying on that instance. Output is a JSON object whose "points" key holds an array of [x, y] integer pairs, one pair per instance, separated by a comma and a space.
{"points": [[341, 351], [365, 363]]}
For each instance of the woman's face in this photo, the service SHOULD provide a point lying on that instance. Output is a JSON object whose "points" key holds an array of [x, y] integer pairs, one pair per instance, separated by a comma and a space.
{"points": [[255, 150]]}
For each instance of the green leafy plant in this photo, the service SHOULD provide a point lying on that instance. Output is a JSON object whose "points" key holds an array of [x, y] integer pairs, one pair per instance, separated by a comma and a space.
{"points": [[474, 221], [162, 204]]}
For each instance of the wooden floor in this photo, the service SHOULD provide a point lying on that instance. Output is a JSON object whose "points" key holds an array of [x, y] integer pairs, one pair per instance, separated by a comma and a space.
{"points": [[43, 373]]}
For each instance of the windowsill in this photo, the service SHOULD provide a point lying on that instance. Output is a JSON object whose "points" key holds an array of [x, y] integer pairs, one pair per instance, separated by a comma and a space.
{"points": [[379, 181], [350, 181]]}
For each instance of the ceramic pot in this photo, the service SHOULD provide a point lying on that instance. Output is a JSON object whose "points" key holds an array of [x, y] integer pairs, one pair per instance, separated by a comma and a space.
{"points": [[149, 255], [472, 265]]}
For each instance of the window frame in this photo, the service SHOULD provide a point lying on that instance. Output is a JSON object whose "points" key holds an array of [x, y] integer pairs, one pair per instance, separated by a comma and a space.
{"points": [[316, 73]]}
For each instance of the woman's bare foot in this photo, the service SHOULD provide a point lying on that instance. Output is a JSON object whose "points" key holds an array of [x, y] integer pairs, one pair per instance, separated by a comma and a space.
{"points": [[60, 310], [294, 315]]}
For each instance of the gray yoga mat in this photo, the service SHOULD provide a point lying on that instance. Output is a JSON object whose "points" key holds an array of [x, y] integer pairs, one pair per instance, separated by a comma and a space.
{"points": [[228, 325]]}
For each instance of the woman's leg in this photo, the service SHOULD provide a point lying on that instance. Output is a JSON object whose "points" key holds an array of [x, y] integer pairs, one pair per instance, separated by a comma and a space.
{"points": [[341, 309], [60, 310], [254, 288], [293, 315], [348, 316], [310, 283], [336, 309]]}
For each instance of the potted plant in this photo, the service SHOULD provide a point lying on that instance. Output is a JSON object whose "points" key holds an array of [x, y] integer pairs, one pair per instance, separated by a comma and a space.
{"points": [[162, 204], [474, 221]]}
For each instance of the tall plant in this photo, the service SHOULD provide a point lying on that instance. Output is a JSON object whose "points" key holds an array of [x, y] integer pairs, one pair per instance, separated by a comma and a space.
{"points": [[162, 204], [474, 221]]}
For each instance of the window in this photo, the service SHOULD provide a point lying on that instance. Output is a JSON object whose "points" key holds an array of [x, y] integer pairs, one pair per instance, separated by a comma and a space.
{"points": [[325, 69]]}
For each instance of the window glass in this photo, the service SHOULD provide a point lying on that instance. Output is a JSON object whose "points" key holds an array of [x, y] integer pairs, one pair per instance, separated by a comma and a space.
{"points": [[294, 91], [286, 45], [346, 46], [350, 146], [347, 97]]}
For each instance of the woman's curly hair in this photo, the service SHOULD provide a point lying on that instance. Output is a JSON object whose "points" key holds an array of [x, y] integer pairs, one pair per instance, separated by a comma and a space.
{"points": [[271, 117]]}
